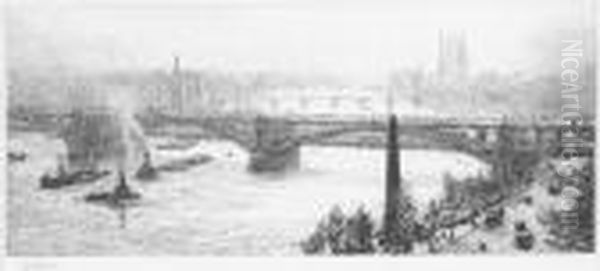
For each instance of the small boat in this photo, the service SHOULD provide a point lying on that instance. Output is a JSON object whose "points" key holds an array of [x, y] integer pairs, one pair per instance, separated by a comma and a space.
{"points": [[185, 163], [149, 172], [16, 156], [66, 179], [176, 145]]}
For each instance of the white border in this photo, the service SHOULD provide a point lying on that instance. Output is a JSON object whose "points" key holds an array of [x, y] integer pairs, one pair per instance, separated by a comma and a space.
{"points": [[547, 262]]}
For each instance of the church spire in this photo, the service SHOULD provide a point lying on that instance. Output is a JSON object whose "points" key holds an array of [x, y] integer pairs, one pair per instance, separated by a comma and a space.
{"points": [[176, 66]]}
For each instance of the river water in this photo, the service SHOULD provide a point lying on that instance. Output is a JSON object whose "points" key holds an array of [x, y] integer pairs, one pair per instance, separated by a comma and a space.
{"points": [[213, 209]]}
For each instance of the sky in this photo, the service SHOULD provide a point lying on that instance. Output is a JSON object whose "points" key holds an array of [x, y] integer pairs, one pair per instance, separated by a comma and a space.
{"points": [[359, 40]]}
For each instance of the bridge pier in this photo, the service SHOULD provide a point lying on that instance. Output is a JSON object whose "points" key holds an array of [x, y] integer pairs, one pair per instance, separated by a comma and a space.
{"points": [[503, 150], [274, 160], [275, 149]]}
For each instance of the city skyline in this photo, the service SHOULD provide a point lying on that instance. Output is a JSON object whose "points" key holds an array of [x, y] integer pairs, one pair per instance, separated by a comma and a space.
{"points": [[359, 42]]}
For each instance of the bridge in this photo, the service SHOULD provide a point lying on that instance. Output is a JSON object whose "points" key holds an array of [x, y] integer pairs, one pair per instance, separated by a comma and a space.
{"points": [[274, 142]]}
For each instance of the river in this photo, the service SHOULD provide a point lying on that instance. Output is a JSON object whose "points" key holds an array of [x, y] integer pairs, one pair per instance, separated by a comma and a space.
{"points": [[213, 209]]}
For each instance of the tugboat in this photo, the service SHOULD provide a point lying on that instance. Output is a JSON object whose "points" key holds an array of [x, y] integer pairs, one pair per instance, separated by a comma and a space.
{"points": [[92, 137], [64, 178], [120, 196]]}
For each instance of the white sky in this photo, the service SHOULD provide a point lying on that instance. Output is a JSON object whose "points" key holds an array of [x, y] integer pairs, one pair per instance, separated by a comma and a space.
{"points": [[362, 40]]}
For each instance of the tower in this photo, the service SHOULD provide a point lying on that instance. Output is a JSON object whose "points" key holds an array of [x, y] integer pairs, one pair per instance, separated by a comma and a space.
{"points": [[453, 62], [178, 97]]}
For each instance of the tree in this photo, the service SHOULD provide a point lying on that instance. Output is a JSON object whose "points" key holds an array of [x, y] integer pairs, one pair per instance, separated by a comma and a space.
{"points": [[400, 237]]}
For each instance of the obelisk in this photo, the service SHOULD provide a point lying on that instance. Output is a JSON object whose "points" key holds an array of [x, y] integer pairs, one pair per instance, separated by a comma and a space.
{"points": [[392, 178]]}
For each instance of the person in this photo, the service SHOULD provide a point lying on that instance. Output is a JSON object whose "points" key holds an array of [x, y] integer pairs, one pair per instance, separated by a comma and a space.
{"points": [[473, 217], [483, 246], [434, 245]]}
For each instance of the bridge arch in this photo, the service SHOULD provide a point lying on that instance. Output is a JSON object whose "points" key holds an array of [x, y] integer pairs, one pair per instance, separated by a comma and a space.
{"points": [[374, 137]]}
